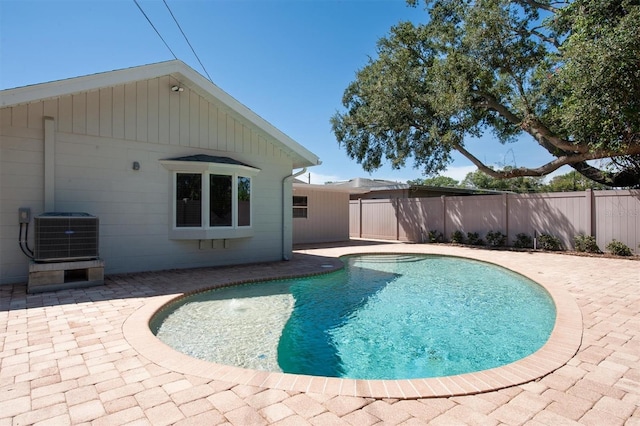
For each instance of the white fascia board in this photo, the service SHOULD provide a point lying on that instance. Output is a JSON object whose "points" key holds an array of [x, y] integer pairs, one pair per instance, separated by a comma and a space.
{"points": [[177, 69], [328, 188], [36, 92]]}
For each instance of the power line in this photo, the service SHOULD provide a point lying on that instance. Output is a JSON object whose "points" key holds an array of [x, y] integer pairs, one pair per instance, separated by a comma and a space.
{"points": [[187, 40], [156, 30]]}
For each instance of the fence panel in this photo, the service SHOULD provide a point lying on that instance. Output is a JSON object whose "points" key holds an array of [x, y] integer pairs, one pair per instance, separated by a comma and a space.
{"points": [[607, 215], [474, 214], [354, 219], [563, 215], [617, 217], [379, 220], [418, 216]]}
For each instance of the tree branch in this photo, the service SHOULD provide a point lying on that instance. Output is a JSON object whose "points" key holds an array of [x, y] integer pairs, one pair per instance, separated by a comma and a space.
{"points": [[544, 136], [541, 133], [516, 172], [490, 102], [538, 5], [563, 160], [551, 40]]}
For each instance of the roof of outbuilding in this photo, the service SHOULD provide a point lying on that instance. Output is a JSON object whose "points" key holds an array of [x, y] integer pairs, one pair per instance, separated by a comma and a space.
{"points": [[371, 184], [380, 185]]}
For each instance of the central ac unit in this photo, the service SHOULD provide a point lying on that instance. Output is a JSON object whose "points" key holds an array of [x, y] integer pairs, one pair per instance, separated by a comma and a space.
{"points": [[65, 236]]}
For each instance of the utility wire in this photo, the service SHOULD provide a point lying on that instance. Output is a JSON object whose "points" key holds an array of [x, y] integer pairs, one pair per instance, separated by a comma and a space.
{"points": [[187, 40], [156, 30]]}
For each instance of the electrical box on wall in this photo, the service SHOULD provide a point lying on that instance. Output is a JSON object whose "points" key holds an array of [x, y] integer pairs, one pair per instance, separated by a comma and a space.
{"points": [[24, 215]]}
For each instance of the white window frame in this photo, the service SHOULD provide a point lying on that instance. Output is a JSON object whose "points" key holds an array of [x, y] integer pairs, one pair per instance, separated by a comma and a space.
{"points": [[205, 231], [305, 207]]}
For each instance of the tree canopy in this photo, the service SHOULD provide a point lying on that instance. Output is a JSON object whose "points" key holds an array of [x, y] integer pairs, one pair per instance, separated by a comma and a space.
{"points": [[520, 184], [435, 181], [567, 73], [572, 181]]}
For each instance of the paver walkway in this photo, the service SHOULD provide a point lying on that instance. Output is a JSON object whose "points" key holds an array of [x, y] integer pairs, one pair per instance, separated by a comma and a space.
{"points": [[64, 358]]}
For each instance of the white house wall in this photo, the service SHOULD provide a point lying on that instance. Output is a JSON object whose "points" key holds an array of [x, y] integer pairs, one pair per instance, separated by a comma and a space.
{"points": [[98, 136], [327, 217]]}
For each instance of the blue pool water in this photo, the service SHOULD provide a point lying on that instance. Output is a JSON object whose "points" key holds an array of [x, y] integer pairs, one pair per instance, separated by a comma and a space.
{"points": [[382, 317]]}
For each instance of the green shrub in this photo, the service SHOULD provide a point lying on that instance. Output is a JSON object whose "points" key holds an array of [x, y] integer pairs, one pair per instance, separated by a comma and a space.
{"points": [[586, 244], [474, 239], [457, 237], [435, 236], [549, 242], [523, 241], [618, 248], [496, 239]]}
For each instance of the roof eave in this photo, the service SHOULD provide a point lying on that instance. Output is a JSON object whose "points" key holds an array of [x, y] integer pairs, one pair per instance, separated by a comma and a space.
{"points": [[328, 188], [184, 74]]}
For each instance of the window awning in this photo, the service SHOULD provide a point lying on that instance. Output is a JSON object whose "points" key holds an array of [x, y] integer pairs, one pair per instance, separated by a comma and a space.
{"points": [[203, 162]]}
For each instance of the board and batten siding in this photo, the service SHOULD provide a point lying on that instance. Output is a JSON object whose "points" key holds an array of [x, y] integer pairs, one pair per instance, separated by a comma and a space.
{"points": [[98, 136], [145, 111], [327, 217]]}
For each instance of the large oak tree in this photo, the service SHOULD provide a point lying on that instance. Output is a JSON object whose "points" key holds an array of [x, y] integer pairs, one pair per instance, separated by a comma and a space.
{"points": [[567, 73]]}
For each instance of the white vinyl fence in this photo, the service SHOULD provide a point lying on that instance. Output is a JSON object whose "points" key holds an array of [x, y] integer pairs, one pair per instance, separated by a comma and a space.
{"points": [[607, 215]]}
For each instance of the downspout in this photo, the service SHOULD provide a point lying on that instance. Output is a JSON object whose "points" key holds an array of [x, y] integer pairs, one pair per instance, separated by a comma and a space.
{"points": [[49, 164], [284, 206]]}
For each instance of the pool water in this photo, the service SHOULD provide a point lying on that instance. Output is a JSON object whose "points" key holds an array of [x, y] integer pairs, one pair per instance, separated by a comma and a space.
{"points": [[382, 317]]}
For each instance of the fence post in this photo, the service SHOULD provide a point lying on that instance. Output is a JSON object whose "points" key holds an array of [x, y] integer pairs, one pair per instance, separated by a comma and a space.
{"points": [[588, 198], [359, 217], [397, 222], [443, 198], [505, 215]]}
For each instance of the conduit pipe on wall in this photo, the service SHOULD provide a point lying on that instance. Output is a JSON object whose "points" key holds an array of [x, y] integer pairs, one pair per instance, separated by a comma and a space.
{"points": [[285, 182], [49, 164]]}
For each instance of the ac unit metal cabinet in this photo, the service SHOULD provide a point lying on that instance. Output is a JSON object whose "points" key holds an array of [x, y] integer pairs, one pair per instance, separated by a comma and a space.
{"points": [[65, 236]]}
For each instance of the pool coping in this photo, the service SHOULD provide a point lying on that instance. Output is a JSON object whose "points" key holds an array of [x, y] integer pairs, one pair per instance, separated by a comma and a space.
{"points": [[563, 343]]}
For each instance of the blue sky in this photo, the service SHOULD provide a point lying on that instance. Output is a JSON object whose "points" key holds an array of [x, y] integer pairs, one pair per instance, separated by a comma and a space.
{"points": [[287, 60]]}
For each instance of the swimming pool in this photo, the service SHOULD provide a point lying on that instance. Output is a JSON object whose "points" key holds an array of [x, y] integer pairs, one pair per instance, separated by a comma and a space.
{"points": [[383, 317]]}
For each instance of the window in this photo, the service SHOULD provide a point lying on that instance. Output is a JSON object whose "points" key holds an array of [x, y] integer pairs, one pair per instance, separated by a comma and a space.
{"points": [[211, 200], [189, 200], [220, 204], [244, 201], [300, 206]]}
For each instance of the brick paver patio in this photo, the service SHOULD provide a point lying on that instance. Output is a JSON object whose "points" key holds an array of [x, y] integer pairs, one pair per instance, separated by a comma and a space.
{"points": [[66, 358]]}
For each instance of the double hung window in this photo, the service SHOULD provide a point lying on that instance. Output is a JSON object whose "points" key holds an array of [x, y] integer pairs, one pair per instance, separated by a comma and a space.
{"points": [[300, 206]]}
